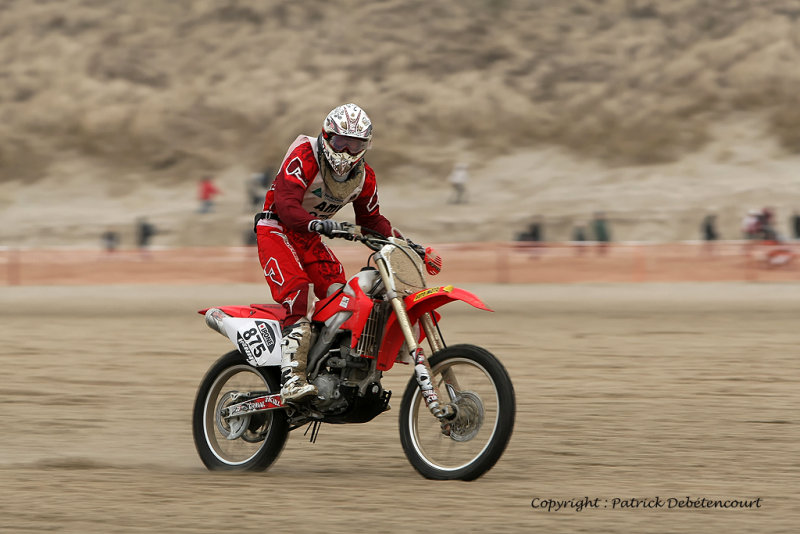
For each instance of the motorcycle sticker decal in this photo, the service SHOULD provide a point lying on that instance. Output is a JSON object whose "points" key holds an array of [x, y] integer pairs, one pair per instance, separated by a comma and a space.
{"points": [[423, 379], [258, 339], [261, 403], [268, 333], [251, 344], [431, 291], [423, 294]]}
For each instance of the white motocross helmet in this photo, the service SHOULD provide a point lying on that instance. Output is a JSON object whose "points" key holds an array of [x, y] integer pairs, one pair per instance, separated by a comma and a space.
{"points": [[346, 136]]}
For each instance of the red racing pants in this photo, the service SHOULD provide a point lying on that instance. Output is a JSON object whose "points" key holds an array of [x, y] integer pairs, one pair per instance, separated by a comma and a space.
{"points": [[292, 263]]}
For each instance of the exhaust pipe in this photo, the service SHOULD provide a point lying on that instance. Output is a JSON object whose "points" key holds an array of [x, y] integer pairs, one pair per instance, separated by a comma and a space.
{"points": [[214, 318]]}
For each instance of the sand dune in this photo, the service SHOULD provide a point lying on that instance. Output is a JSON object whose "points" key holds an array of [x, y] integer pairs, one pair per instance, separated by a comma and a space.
{"points": [[651, 111]]}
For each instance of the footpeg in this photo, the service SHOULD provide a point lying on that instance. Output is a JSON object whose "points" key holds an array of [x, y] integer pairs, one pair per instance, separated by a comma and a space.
{"points": [[387, 394]]}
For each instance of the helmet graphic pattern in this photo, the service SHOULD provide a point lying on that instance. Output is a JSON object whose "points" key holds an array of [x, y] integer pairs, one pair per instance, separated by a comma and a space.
{"points": [[349, 120]]}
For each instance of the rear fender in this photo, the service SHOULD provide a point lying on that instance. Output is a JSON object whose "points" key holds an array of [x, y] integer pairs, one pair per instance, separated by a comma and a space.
{"points": [[417, 305], [255, 311], [255, 330]]}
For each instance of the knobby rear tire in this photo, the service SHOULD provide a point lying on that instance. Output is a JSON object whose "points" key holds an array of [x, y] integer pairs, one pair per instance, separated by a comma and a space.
{"points": [[497, 397], [203, 428]]}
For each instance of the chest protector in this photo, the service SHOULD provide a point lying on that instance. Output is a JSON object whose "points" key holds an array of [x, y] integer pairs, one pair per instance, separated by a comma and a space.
{"points": [[325, 196]]}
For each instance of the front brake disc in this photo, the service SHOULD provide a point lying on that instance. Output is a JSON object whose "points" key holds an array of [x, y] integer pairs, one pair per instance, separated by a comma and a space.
{"points": [[469, 417]]}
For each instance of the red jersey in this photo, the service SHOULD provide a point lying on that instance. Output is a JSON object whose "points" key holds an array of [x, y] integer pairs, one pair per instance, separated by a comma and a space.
{"points": [[299, 194]]}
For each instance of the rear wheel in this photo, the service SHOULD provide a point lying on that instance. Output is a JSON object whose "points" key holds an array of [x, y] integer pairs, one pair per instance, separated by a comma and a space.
{"points": [[247, 443], [473, 380]]}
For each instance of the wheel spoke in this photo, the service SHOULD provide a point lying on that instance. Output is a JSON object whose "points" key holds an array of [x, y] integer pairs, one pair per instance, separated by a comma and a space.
{"points": [[473, 428], [222, 434], [468, 444]]}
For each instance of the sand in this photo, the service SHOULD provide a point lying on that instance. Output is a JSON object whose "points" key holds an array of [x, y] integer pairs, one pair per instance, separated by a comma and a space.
{"points": [[623, 391]]}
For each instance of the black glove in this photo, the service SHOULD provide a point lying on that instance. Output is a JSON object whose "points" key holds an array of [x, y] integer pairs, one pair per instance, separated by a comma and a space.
{"points": [[325, 227]]}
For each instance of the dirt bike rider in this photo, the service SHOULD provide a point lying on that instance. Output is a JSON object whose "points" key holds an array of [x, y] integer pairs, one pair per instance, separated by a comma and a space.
{"points": [[317, 177]]}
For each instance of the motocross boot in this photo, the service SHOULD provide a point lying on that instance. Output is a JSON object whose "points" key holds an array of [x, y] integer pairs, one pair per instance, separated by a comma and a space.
{"points": [[294, 353]]}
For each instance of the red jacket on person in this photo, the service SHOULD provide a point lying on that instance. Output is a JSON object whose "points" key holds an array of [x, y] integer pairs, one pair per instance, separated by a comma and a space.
{"points": [[208, 190]]}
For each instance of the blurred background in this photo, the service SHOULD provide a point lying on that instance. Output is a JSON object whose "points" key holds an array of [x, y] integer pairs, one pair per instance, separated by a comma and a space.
{"points": [[652, 115], [541, 141]]}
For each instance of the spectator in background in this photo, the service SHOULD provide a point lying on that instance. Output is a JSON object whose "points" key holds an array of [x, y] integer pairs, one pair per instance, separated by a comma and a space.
{"points": [[533, 236], [751, 224], [257, 187], [249, 237], [579, 233], [768, 232], [759, 225], [708, 230], [458, 179], [206, 193], [579, 238], [796, 225], [144, 232], [535, 231], [110, 240], [602, 235]]}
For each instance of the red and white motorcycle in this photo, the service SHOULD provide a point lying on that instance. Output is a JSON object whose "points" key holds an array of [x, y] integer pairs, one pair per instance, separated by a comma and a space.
{"points": [[457, 413]]}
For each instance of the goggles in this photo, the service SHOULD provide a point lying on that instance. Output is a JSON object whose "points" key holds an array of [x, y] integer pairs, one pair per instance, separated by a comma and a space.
{"points": [[351, 145]]}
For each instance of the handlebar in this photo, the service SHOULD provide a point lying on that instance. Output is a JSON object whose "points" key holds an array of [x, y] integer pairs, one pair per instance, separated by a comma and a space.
{"points": [[353, 232], [375, 241], [370, 238]]}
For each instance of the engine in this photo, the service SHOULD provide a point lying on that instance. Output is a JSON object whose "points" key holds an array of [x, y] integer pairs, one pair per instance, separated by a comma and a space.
{"points": [[350, 391], [330, 398]]}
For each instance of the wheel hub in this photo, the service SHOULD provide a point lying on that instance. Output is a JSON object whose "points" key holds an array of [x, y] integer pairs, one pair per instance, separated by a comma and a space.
{"points": [[230, 427], [469, 416]]}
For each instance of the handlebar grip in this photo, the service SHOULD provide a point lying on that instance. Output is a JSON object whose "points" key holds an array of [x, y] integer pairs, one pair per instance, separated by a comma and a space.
{"points": [[348, 231]]}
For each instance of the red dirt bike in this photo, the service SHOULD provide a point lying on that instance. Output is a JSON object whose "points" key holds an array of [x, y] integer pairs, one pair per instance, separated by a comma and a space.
{"points": [[457, 413]]}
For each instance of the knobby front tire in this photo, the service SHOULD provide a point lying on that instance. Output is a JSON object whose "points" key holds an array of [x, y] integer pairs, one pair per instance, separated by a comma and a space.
{"points": [[261, 436], [480, 387]]}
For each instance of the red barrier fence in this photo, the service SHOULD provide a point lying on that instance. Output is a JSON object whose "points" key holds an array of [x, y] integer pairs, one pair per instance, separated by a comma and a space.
{"points": [[463, 262]]}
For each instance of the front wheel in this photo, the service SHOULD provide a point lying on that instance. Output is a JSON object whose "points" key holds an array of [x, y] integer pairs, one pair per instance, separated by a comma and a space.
{"points": [[479, 387], [247, 443]]}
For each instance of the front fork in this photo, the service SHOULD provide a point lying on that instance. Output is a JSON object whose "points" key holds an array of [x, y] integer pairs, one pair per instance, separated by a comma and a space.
{"points": [[437, 343], [422, 368]]}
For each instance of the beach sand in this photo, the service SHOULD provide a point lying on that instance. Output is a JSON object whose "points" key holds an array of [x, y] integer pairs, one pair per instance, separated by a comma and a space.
{"points": [[623, 391]]}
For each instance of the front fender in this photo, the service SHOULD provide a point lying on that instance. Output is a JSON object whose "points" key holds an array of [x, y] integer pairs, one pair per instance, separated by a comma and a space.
{"points": [[417, 305]]}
